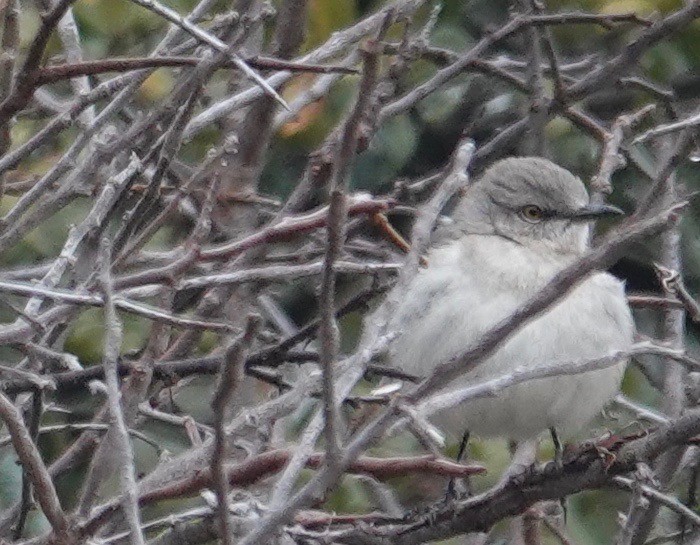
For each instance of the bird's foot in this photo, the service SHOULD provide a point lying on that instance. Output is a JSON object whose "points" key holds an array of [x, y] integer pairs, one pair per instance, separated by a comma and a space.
{"points": [[457, 489], [520, 473], [559, 466], [606, 446], [564, 509], [558, 450], [608, 457], [559, 460]]}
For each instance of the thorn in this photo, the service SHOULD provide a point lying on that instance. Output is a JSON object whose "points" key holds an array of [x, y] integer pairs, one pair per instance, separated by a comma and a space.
{"points": [[252, 74]]}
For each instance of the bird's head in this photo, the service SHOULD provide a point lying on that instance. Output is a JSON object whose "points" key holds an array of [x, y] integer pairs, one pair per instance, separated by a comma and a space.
{"points": [[532, 202]]}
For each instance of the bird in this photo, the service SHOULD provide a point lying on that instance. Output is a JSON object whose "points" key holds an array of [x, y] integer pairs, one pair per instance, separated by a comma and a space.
{"points": [[523, 221]]}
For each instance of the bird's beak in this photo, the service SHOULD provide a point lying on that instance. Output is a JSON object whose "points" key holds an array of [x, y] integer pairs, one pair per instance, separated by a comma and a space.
{"points": [[595, 211]]}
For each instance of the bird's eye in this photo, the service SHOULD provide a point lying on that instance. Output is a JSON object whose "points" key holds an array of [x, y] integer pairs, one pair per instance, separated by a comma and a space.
{"points": [[532, 213]]}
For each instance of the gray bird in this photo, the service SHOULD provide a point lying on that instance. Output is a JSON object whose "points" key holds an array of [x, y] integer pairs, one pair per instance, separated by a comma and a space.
{"points": [[519, 225]]}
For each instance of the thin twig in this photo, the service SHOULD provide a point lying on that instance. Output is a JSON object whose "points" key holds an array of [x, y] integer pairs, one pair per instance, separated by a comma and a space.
{"points": [[667, 128], [120, 302], [58, 72], [24, 83], [29, 455], [113, 341], [212, 41], [329, 334], [673, 284], [611, 158], [660, 497], [230, 379]]}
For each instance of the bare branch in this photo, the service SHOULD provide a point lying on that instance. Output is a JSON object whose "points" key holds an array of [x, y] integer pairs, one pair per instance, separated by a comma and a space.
{"points": [[229, 380], [30, 458], [113, 341], [611, 158], [212, 41]]}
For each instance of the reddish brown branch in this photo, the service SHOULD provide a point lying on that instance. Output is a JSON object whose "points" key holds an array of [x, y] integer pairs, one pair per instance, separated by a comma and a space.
{"points": [[252, 470], [592, 466], [258, 467], [293, 226], [52, 74], [268, 463], [26, 79], [653, 301]]}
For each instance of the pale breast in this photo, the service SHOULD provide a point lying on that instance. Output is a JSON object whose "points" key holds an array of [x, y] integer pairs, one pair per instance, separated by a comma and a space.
{"points": [[467, 289]]}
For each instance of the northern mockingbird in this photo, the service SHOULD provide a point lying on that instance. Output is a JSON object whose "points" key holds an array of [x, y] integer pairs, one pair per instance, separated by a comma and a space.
{"points": [[525, 220]]}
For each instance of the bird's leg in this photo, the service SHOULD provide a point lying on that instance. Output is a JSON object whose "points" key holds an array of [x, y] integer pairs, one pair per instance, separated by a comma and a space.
{"points": [[559, 464], [512, 447], [451, 486], [463, 446], [558, 449]]}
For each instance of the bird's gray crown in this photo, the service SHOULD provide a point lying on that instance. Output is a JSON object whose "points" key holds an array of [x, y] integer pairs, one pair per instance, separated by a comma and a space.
{"points": [[523, 181], [532, 202]]}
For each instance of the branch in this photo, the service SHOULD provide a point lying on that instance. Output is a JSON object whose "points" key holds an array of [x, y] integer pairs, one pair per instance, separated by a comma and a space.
{"points": [[660, 497], [31, 460], [611, 159], [282, 273], [660, 130], [673, 285], [492, 387], [113, 342], [59, 72], [120, 302], [517, 24], [328, 332], [230, 379], [338, 43], [260, 466], [294, 226], [213, 42], [584, 470], [24, 84], [609, 72]]}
